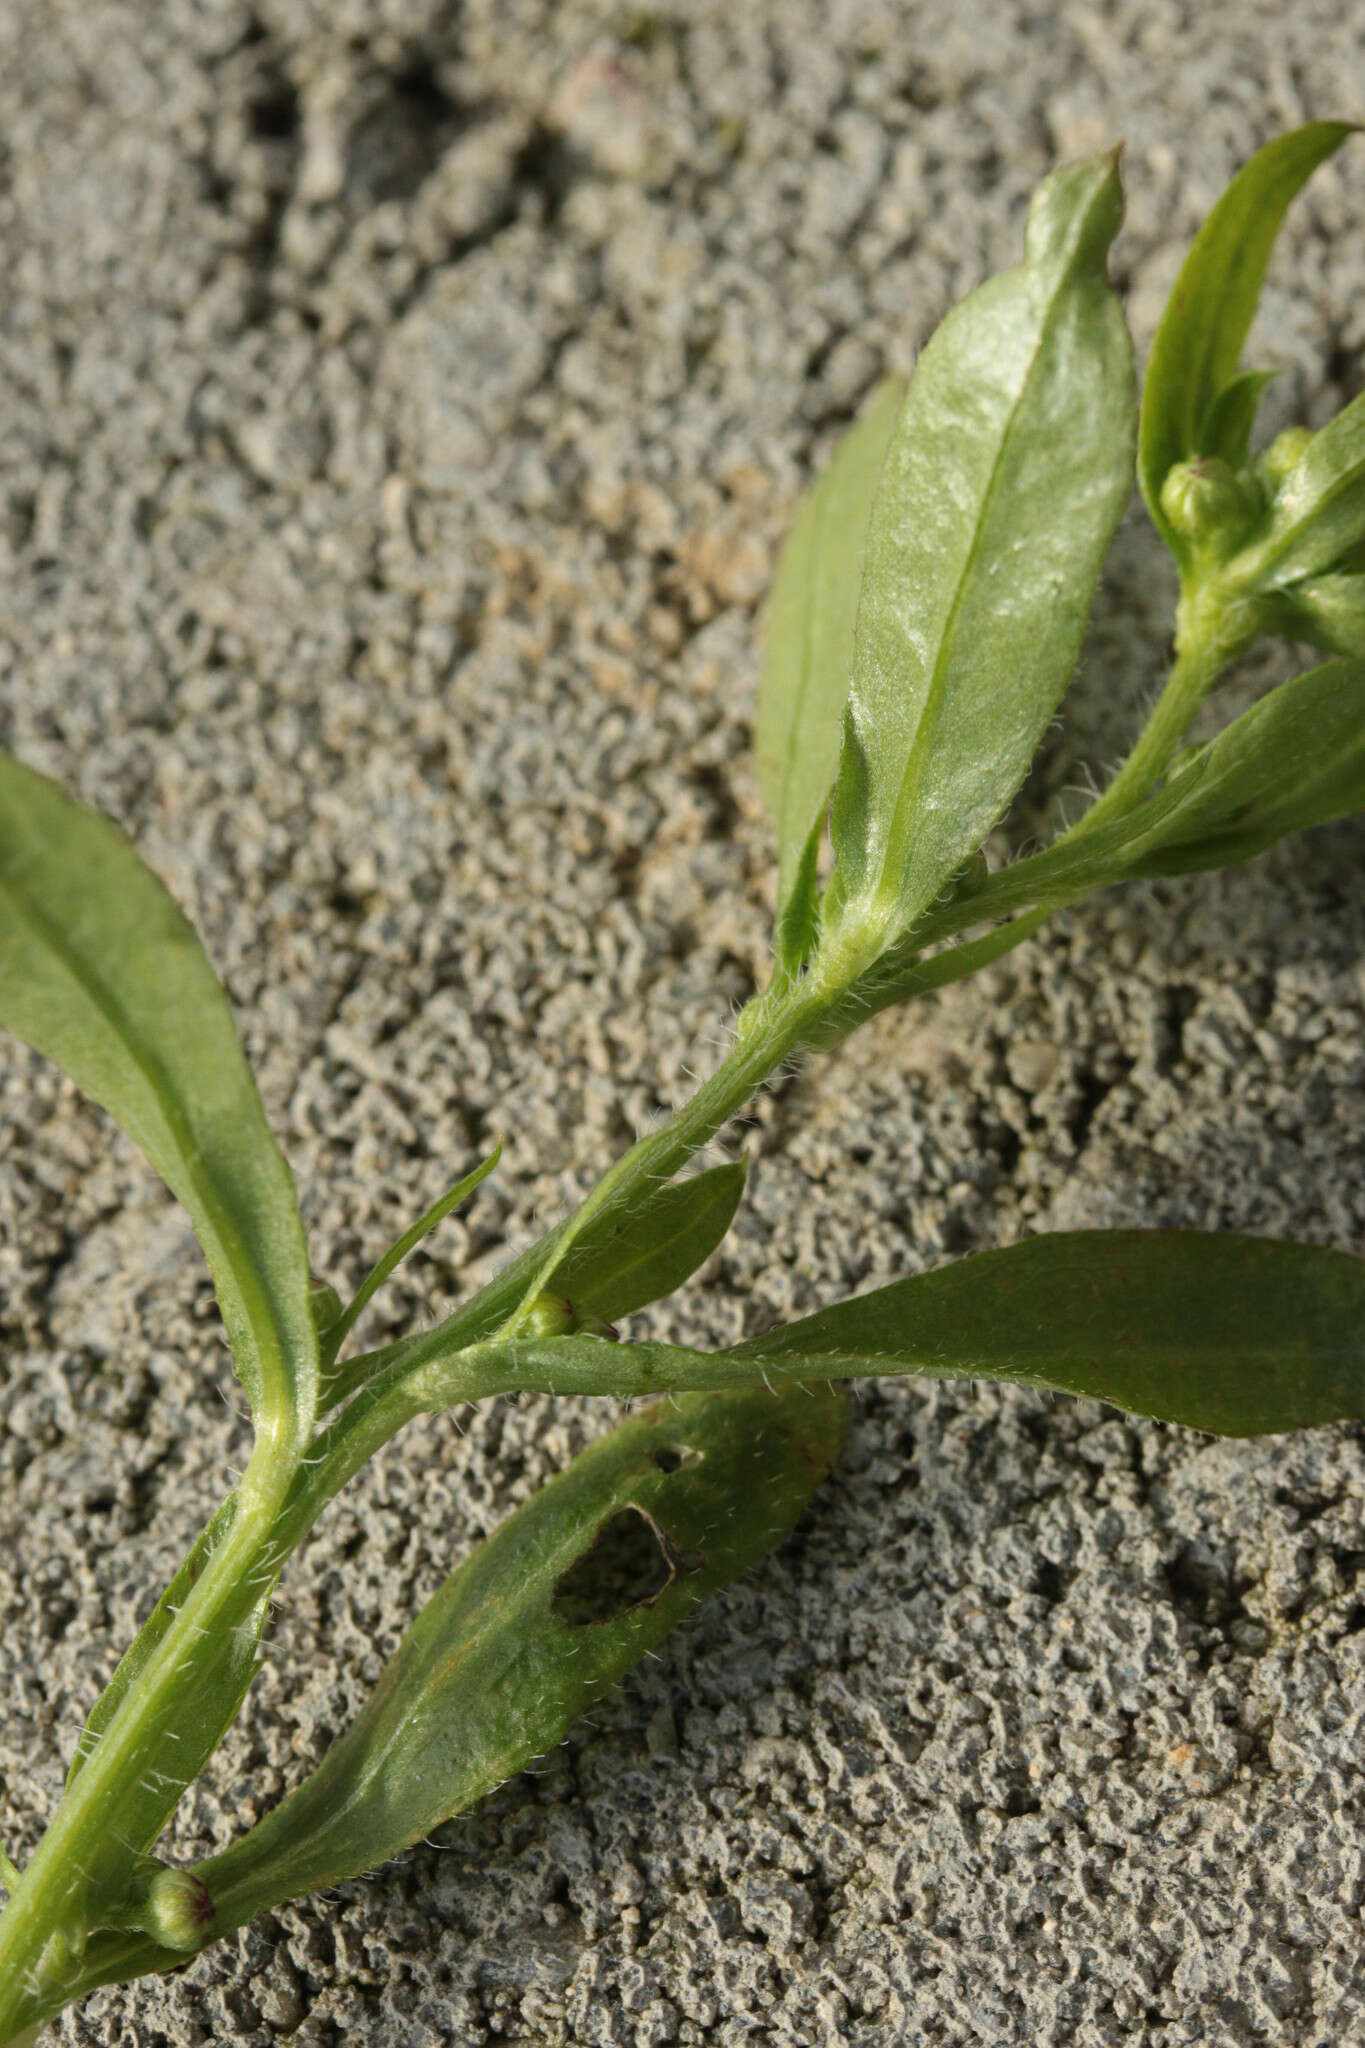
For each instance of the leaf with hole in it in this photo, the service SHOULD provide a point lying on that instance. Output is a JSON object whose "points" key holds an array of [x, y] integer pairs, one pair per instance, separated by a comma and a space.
{"points": [[1200, 336], [626, 1262], [101, 972], [808, 654], [1009, 468], [1234, 1335], [542, 1620]]}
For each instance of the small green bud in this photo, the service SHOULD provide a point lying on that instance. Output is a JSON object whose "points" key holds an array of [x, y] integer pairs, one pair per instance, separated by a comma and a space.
{"points": [[1210, 503], [549, 1315], [1282, 456], [325, 1303], [179, 1909], [173, 1906]]}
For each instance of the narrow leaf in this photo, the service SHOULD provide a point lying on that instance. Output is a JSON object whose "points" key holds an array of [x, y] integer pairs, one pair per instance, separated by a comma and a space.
{"points": [[634, 1260], [808, 637], [338, 1331], [541, 1621], [1235, 1335], [1199, 340], [101, 972], [797, 927], [134, 1658], [1295, 760], [174, 1752], [1008, 470]]}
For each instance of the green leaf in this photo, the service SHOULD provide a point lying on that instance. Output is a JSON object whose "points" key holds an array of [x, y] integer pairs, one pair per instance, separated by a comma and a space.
{"points": [[338, 1331], [539, 1623], [808, 641], [134, 1658], [797, 928], [1319, 512], [1235, 1335], [1225, 430], [1010, 465], [1200, 336], [101, 972], [1295, 760], [624, 1263]]}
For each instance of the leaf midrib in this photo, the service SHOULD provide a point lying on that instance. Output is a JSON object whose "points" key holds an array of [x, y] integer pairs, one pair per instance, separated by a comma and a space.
{"points": [[899, 836]]}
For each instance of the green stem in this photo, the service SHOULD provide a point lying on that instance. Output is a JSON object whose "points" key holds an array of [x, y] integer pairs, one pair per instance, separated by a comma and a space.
{"points": [[79, 1862], [394, 1389], [1211, 630]]}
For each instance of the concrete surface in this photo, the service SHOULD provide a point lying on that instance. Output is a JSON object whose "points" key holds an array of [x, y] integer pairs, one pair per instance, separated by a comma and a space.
{"points": [[400, 404]]}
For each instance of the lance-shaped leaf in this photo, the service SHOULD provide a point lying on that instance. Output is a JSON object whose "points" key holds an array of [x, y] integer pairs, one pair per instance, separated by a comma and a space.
{"points": [[339, 1328], [1234, 1335], [1185, 397], [1294, 760], [541, 1621], [623, 1263], [808, 642], [101, 972], [1008, 470]]}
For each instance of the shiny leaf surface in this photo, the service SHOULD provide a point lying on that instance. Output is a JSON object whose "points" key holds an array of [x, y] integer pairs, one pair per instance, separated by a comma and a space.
{"points": [[1010, 464]]}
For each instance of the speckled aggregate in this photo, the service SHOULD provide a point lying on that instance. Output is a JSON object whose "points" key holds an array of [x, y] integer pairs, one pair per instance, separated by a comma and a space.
{"points": [[400, 406]]}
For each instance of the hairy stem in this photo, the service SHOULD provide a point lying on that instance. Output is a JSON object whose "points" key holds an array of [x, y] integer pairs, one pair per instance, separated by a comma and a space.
{"points": [[77, 1866]]}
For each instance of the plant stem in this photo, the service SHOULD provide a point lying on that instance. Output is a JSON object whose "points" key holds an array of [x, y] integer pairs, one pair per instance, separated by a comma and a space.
{"points": [[79, 1860], [1211, 630], [276, 1510], [52, 1896], [396, 1389]]}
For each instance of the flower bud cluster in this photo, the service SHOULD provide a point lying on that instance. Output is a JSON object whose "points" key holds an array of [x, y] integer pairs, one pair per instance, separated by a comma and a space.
{"points": [[1283, 536]]}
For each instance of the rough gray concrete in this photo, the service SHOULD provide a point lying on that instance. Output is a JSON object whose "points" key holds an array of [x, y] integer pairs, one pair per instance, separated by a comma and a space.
{"points": [[400, 403]]}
